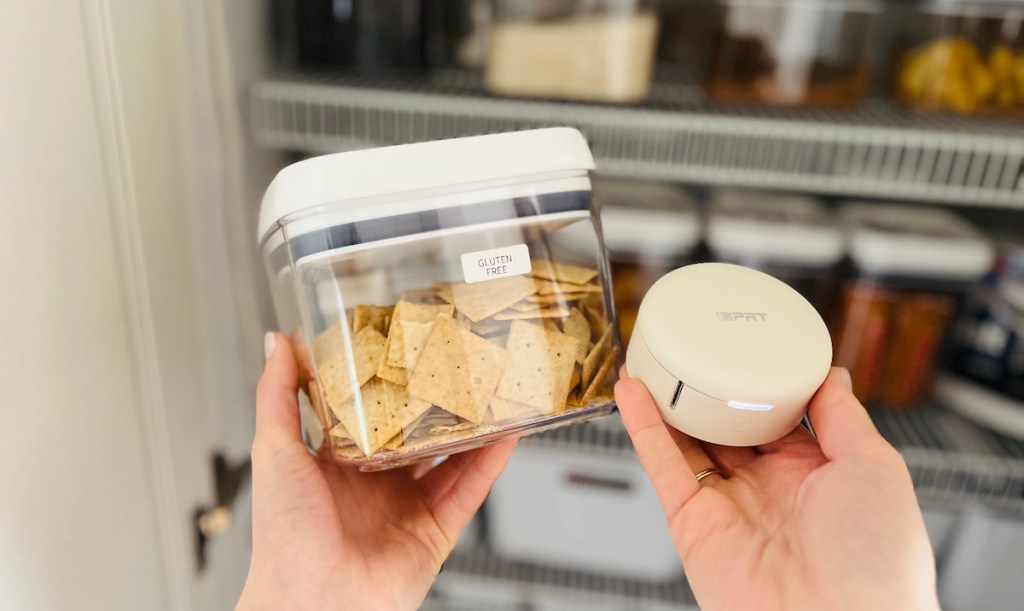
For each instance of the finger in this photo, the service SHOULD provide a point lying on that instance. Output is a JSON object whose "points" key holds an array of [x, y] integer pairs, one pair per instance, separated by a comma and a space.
{"points": [[457, 487], [277, 405], [840, 421], [798, 440], [697, 458], [659, 455]]}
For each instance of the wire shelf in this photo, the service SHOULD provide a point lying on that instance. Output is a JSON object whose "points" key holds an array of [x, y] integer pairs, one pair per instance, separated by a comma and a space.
{"points": [[880, 150], [953, 462]]}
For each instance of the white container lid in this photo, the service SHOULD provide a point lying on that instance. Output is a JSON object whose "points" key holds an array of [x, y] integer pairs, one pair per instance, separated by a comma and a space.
{"points": [[914, 241], [647, 219], [418, 169], [753, 227]]}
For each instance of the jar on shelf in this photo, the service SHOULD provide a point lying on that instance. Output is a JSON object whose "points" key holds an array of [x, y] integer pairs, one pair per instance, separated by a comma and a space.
{"points": [[791, 237], [964, 56], [912, 267], [649, 230], [433, 306], [599, 51], [794, 52]]}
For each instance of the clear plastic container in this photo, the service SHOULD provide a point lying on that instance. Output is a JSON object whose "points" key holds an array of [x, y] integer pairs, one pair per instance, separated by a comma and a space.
{"points": [[964, 56], [794, 52], [649, 230], [601, 51], [913, 267], [791, 237], [434, 306]]}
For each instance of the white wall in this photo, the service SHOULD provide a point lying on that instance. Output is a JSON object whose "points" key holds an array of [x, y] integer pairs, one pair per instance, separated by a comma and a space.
{"points": [[77, 521]]}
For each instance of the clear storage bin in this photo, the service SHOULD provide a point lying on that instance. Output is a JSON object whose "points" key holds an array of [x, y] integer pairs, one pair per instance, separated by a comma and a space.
{"points": [[794, 52], [601, 51], [434, 308], [964, 56], [649, 230], [791, 237], [913, 265]]}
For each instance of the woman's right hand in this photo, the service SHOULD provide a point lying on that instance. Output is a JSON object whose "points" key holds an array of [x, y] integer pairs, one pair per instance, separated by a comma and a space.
{"points": [[801, 523]]}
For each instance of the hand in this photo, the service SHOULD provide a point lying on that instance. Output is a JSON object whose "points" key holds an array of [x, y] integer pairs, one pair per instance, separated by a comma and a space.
{"points": [[800, 523], [326, 536]]}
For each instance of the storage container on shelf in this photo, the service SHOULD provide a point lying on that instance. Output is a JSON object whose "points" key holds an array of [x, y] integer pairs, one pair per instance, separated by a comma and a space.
{"points": [[791, 237], [586, 510], [912, 266], [964, 56], [435, 309], [794, 52], [600, 51], [649, 230]]}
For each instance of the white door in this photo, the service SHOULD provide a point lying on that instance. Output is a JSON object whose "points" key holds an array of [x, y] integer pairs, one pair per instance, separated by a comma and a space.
{"points": [[128, 347]]}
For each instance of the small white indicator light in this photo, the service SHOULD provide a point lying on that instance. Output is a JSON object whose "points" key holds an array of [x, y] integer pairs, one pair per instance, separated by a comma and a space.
{"points": [[750, 407]]}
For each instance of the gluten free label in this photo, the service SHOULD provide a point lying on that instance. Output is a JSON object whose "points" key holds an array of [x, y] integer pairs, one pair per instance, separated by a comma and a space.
{"points": [[496, 263]]}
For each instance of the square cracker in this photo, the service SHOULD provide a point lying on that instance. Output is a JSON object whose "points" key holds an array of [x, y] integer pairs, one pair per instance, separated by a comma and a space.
{"points": [[378, 317], [576, 325], [547, 287], [510, 410], [561, 272], [556, 312], [336, 374], [604, 374], [482, 300], [444, 291], [540, 368], [526, 306], [396, 375], [406, 311], [559, 298], [382, 411], [458, 370], [414, 339], [596, 357]]}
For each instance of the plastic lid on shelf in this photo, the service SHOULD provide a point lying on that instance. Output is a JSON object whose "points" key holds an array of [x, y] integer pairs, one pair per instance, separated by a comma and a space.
{"points": [[914, 241], [759, 227], [649, 219], [418, 169]]}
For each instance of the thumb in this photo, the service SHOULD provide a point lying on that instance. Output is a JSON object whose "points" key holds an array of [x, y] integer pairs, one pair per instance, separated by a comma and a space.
{"points": [[277, 404], [842, 424]]}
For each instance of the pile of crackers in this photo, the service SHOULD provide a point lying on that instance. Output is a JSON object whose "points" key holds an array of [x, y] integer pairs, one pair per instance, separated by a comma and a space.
{"points": [[457, 360]]}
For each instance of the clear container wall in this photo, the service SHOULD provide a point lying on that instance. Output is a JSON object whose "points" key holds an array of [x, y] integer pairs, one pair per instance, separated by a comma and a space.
{"points": [[967, 59], [439, 331], [793, 53], [601, 51]]}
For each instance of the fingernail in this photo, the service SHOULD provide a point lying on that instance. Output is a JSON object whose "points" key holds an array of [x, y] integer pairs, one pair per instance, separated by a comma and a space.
{"points": [[269, 343], [846, 378]]}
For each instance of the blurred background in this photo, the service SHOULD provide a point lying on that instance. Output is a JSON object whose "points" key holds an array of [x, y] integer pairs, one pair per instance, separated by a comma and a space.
{"points": [[869, 153]]}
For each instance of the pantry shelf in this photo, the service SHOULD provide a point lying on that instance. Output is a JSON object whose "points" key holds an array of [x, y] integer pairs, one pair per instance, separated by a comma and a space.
{"points": [[953, 462], [880, 150], [475, 578]]}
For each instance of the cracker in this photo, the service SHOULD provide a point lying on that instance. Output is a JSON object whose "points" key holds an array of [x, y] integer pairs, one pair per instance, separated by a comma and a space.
{"points": [[406, 311], [442, 429], [510, 410], [382, 411], [378, 317], [328, 343], [596, 357], [482, 300], [561, 272], [414, 338], [540, 367], [577, 377], [490, 327], [557, 312], [458, 370], [555, 298], [336, 374], [601, 378], [526, 306], [316, 400], [444, 291], [576, 325], [593, 308], [421, 297], [396, 375], [547, 287]]}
